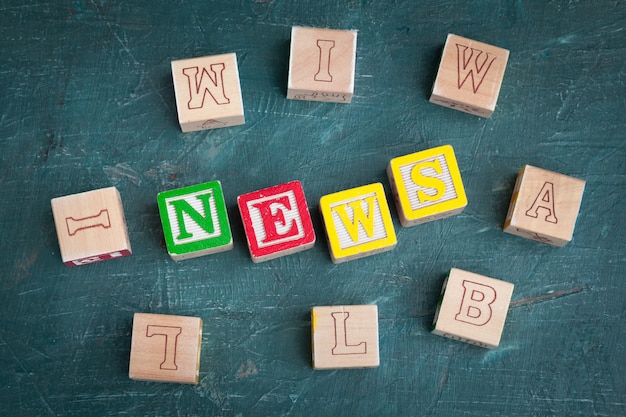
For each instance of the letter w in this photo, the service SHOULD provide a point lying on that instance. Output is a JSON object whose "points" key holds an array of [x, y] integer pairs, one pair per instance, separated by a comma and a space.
{"points": [[359, 217], [471, 65], [207, 83]]}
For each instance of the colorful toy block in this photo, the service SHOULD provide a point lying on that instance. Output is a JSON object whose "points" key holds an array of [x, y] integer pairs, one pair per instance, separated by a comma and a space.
{"points": [[345, 337], [208, 92], [426, 185], [473, 308], [195, 221], [165, 348], [358, 222], [322, 64], [470, 76], [276, 221], [91, 226], [544, 206]]}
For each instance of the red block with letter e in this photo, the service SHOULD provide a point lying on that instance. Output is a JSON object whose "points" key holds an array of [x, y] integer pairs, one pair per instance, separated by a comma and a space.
{"points": [[277, 221]]}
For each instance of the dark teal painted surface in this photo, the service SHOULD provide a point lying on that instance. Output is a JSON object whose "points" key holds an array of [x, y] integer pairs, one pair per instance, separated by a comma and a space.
{"points": [[87, 102]]}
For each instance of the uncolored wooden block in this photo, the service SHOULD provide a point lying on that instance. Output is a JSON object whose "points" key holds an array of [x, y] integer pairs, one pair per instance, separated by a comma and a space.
{"points": [[473, 308], [544, 206], [195, 221], [165, 348], [276, 221], [345, 336], [208, 92], [357, 222], [470, 76], [91, 226], [426, 185], [322, 64]]}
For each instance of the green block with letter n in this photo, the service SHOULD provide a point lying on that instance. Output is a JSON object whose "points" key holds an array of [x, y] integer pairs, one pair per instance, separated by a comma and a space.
{"points": [[195, 221]]}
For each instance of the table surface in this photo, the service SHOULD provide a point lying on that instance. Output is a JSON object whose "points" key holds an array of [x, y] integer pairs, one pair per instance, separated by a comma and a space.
{"points": [[88, 103]]}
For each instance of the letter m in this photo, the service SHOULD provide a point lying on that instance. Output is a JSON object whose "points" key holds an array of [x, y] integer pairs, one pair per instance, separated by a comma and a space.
{"points": [[206, 82], [473, 64]]}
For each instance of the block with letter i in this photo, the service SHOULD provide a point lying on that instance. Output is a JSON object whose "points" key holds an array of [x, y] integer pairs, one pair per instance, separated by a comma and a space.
{"points": [[276, 221], [345, 336], [91, 226], [195, 221], [470, 76], [426, 185], [322, 64], [208, 92], [358, 222], [544, 206], [165, 348]]}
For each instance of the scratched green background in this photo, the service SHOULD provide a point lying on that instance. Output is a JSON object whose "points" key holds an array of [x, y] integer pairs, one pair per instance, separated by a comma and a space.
{"points": [[87, 102]]}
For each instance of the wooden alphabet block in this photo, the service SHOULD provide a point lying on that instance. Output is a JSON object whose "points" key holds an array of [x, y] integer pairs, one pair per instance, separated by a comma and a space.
{"points": [[345, 337], [322, 64], [470, 76], [91, 226], [208, 92], [426, 185], [472, 308], [195, 221], [544, 206], [165, 348], [276, 221], [358, 222]]}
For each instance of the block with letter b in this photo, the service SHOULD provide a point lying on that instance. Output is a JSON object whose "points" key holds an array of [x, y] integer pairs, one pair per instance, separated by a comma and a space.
{"points": [[472, 308]]}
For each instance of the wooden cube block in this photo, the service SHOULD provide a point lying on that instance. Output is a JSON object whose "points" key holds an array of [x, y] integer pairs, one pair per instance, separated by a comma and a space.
{"points": [[195, 221], [345, 337], [165, 348], [91, 226], [208, 93], [544, 206], [357, 222], [470, 76], [473, 308], [276, 221], [426, 185], [321, 64]]}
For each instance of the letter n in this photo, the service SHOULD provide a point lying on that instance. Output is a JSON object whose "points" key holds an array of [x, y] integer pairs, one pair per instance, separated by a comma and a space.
{"points": [[182, 207]]}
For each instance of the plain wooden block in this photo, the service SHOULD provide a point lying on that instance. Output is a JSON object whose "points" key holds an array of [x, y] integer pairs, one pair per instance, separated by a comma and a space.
{"points": [[358, 222], [544, 206], [345, 336], [322, 64], [470, 76], [208, 92], [165, 348], [426, 185], [91, 226], [195, 221], [473, 308], [277, 221]]}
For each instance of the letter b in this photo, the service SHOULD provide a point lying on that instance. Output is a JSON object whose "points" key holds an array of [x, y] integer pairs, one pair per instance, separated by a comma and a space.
{"points": [[476, 303]]}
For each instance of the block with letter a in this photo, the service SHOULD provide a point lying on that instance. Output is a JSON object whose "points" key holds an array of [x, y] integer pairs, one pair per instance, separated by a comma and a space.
{"points": [[322, 64], [276, 221], [426, 185], [544, 206], [470, 76], [358, 222], [472, 308], [91, 226], [345, 336], [208, 92], [165, 348]]}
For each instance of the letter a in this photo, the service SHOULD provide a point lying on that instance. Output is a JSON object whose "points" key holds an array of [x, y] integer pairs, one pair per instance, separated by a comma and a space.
{"points": [[467, 70], [341, 337], [476, 303], [544, 200], [198, 88], [359, 217], [171, 337], [428, 181]]}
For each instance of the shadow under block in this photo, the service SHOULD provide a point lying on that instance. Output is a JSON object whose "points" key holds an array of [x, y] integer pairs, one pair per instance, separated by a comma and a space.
{"points": [[322, 64], [277, 221], [195, 221], [473, 308], [165, 348], [345, 337], [358, 222], [208, 92], [426, 185], [91, 226], [544, 206], [470, 76]]}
